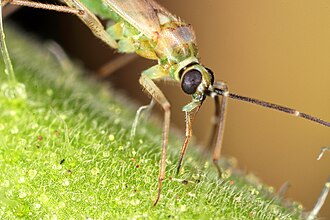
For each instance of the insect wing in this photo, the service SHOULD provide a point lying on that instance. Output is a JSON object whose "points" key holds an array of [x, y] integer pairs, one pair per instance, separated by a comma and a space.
{"points": [[141, 14]]}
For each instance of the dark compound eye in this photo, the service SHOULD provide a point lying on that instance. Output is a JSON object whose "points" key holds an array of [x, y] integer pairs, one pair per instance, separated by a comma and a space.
{"points": [[191, 81]]}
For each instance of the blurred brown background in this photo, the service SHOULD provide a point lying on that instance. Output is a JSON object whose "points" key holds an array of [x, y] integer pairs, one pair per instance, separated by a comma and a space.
{"points": [[277, 51]]}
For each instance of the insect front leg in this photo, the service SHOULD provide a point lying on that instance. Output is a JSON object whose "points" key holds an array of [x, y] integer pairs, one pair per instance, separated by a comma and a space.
{"points": [[152, 89], [189, 119], [219, 123], [188, 134]]}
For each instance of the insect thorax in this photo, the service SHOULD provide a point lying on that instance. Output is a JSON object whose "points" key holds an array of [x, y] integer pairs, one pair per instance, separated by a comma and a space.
{"points": [[175, 42], [174, 45]]}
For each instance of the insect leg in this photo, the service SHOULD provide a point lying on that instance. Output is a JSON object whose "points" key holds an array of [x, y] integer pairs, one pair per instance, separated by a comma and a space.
{"points": [[185, 143], [77, 8], [323, 150], [160, 98], [146, 108], [219, 123], [281, 192], [8, 10], [92, 22], [189, 119], [45, 6], [324, 193], [320, 201], [215, 122], [115, 64], [58, 52]]}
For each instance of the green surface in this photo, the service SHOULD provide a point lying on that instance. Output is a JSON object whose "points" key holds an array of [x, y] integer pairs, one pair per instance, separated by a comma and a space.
{"points": [[65, 153]]}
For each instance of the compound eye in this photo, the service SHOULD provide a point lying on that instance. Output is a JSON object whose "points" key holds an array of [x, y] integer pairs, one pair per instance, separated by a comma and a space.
{"points": [[191, 80]]}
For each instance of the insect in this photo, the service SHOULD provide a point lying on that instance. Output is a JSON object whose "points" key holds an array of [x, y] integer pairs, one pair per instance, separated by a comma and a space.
{"points": [[149, 30]]}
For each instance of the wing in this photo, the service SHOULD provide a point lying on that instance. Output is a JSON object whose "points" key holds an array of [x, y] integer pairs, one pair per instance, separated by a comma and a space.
{"points": [[141, 14]]}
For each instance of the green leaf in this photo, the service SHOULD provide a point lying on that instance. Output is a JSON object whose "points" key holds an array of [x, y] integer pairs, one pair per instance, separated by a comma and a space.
{"points": [[65, 153]]}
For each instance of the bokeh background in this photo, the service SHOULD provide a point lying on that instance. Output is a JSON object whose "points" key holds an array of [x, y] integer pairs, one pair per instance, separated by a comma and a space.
{"points": [[277, 51]]}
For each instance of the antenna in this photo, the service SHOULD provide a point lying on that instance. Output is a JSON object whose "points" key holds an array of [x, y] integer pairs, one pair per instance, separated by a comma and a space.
{"points": [[280, 108]]}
